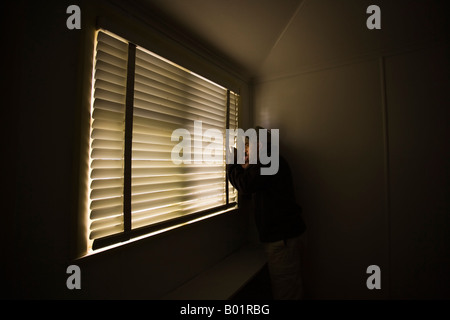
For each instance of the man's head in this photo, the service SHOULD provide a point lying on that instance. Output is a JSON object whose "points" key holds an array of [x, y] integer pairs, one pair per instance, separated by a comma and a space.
{"points": [[250, 148], [257, 145]]}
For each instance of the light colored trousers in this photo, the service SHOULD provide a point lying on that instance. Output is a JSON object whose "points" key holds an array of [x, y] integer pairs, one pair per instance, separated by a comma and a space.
{"points": [[284, 262]]}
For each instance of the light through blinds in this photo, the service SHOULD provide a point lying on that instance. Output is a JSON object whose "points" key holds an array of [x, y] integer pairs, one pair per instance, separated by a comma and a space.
{"points": [[139, 100]]}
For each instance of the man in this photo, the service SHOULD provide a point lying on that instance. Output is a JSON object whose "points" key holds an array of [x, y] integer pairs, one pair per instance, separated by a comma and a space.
{"points": [[278, 219]]}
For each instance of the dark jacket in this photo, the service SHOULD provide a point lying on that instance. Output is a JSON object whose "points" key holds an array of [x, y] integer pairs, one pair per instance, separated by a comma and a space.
{"points": [[277, 215]]}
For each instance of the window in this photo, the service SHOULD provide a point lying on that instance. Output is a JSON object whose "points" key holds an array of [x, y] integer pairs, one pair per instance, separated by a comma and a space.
{"points": [[138, 100]]}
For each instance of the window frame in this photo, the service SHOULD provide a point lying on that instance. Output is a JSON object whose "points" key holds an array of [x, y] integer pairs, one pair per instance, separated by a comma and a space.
{"points": [[130, 233]]}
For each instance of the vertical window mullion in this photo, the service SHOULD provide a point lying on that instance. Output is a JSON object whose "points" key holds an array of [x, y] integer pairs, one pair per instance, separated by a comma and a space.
{"points": [[226, 137], [128, 139]]}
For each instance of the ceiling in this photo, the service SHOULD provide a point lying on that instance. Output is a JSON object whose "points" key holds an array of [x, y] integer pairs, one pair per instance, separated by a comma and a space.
{"points": [[244, 31], [272, 37]]}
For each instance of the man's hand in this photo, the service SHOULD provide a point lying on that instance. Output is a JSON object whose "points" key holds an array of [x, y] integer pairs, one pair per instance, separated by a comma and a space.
{"points": [[246, 164]]}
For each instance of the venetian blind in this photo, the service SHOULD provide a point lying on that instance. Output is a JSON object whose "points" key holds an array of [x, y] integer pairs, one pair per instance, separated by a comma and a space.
{"points": [[164, 97], [107, 136]]}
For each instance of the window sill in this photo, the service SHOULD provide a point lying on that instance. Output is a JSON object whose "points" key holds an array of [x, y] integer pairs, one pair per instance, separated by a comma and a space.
{"points": [[156, 232], [225, 279]]}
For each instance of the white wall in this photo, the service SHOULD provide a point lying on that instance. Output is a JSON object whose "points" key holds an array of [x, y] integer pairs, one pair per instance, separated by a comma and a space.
{"points": [[362, 117]]}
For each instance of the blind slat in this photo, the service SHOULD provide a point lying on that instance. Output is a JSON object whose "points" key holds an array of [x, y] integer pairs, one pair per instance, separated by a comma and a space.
{"points": [[106, 203], [106, 183], [104, 232]]}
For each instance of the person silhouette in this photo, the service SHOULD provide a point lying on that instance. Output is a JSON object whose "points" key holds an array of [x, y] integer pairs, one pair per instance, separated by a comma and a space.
{"points": [[278, 218]]}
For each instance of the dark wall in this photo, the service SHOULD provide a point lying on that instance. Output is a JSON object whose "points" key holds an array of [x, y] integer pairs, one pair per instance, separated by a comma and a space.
{"points": [[43, 87], [418, 98], [365, 131], [364, 121], [48, 76]]}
